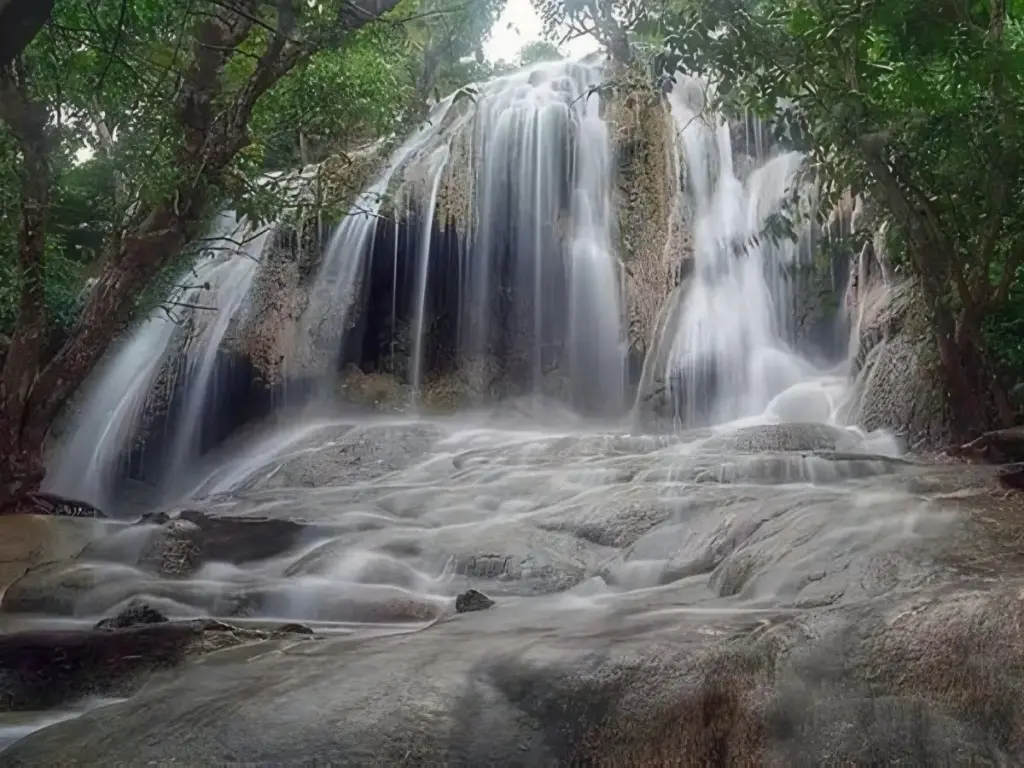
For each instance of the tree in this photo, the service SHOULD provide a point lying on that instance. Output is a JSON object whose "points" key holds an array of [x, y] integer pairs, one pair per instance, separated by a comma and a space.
{"points": [[538, 50], [20, 21], [917, 103], [445, 40], [340, 100], [610, 21], [165, 91]]}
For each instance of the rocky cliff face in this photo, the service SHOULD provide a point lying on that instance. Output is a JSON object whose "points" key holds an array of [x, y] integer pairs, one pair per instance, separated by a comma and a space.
{"points": [[896, 384], [654, 222]]}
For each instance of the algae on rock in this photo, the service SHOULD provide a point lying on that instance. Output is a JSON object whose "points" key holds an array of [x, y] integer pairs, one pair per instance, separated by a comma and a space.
{"points": [[654, 238]]}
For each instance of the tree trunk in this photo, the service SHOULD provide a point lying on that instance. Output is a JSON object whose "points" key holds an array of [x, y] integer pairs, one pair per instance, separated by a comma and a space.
{"points": [[20, 21], [977, 399], [21, 444]]}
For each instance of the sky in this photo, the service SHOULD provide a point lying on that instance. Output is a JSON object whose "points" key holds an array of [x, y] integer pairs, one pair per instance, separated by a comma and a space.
{"points": [[519, 24]]}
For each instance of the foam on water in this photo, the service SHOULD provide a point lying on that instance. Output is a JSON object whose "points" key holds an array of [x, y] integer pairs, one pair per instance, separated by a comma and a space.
{"points": [[733, 359]]}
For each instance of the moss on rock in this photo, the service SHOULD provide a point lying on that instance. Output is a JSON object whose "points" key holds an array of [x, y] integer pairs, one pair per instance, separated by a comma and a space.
{"points": [[380, 391], [653, 237]]}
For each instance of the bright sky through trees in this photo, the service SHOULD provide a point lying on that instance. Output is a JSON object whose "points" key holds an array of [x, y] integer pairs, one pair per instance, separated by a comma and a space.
{"points": [[519, 25]]}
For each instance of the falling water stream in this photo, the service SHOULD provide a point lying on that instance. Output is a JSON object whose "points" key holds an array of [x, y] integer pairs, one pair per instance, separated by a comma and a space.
{"points": [[91, 455], [343, 266], [619, 560], [732, 356], [536, 280], [543, 201]]}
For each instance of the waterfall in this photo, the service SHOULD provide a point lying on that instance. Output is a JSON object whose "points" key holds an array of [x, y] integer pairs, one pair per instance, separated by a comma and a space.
{"points": [[502, 246], [112, 408], [733, 357], [335, 289], [544, 217], [225, 289]]}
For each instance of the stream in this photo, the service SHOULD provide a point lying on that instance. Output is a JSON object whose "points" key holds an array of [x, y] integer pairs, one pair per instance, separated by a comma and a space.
{"points": [[781, 579]]}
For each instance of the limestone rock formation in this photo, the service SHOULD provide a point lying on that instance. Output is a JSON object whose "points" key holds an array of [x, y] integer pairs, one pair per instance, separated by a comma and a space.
{"points": [[27, 541], [654, 410], [897, 386], [654, 228]]}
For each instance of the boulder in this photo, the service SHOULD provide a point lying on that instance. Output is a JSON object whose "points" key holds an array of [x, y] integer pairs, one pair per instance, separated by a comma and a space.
{"points": [[176, 546], [30, 540], [134, 614], [897, 386], [48, 668], [360, 454], [472, 600], [174, 550]]}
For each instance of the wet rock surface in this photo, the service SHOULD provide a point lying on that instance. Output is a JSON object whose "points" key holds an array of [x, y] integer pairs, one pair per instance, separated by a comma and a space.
{"points": [[359, 454], [472, 600], [48, 668], [775, 595], [27, 541], [134, 614]]}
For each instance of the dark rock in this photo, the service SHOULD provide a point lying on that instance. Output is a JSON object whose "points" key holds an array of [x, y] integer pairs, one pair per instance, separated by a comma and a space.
{"points": [[1012, 477], [41, 669], [293, 629], [154, 518], [472, 600], [136, 613], [43, 503], [175, 551], [185, 543], [241, 540]]}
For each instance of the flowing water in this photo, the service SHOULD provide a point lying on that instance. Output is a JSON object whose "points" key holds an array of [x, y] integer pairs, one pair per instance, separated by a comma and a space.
{"points": [[506, 233], [732, 355], [632, 573], [591, 542], [336, 288], [546, 167], [99, 435]]}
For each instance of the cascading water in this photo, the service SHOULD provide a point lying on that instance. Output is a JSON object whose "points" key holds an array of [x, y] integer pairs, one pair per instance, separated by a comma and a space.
{"points": [[504, 223], [89, 458], [225, 288], [544, 215], [437, 163], [336, 286], [732, 356]]}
